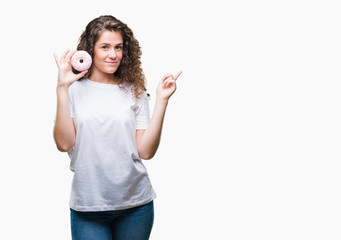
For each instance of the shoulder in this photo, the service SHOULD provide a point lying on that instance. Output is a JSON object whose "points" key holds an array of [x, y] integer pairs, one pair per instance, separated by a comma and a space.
{"points": [[76, 88], [130, 89], [77, 85]]}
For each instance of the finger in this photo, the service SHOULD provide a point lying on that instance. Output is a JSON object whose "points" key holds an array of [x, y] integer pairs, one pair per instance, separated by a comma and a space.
{"points": [[169, 82], [82, 74], [78, 76], [165, 81], [168, 75], [56, 59], [68, 58], [64, 54], [177, 75]]}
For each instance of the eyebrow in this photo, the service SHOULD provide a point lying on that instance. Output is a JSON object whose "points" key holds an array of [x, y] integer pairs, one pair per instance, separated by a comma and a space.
{"points": [[110, 44]]}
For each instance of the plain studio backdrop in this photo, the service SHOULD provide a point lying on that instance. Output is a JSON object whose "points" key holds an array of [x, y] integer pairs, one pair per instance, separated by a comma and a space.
{"points": [[251, 140]]}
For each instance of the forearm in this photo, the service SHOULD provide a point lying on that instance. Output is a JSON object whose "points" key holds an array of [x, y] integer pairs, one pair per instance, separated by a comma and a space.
{"points": [[64, 130], [150, 140]]}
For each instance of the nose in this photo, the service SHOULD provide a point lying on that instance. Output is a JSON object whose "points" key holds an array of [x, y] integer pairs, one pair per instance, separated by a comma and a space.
{"points": [[112, 54]]}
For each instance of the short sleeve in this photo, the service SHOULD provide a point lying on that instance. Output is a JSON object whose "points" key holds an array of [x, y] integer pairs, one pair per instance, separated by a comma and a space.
{"points": [[142, 114]]}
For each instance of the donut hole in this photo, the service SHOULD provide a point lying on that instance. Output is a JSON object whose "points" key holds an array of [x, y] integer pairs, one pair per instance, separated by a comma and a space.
{"points": [[81, 60]]}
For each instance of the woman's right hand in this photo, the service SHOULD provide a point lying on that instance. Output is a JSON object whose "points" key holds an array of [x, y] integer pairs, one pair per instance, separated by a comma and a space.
{"points": [[65, 75]]}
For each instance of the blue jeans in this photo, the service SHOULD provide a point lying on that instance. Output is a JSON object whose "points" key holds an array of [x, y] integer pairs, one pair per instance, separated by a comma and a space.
{"points": [[128, 224]]}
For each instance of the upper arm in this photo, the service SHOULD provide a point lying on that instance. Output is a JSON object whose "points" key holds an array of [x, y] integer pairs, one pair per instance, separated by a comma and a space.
{"points": [[139, 135]]}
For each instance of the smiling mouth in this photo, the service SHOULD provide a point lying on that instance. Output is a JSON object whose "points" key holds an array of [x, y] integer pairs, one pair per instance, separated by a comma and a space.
{"points": [[111, 62]]}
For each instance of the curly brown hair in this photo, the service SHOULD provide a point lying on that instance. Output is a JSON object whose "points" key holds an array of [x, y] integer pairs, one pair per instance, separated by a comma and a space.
{"points": [[130, 70]]}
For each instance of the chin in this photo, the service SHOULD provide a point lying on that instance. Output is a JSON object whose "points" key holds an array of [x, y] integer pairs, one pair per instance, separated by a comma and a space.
{"points": [[111, 70]]}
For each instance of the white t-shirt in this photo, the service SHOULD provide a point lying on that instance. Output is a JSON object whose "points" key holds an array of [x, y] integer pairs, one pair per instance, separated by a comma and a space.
{"points": [[108, 172]]}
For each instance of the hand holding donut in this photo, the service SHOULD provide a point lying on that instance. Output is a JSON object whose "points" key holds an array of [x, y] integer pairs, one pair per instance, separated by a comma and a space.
{"points": [[65, 75], [167, 86]]}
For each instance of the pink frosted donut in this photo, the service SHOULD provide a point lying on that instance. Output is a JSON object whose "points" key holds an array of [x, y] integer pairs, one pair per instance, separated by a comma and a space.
{"points": [[81, 61]]}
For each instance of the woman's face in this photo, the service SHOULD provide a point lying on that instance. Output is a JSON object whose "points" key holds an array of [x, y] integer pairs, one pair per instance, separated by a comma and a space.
{"points": [[108, 52]]}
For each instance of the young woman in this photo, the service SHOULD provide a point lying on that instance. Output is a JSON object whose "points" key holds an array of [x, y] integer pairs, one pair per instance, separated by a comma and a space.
{"points": [[103, 122]]}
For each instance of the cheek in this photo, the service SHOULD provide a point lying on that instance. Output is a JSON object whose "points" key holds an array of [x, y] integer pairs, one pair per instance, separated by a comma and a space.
{"points": [[98, 55], [98, 58], [119, 54]]}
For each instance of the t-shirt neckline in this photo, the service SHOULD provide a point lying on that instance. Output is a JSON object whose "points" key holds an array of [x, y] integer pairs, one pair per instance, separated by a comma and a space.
{"points": [[106, 85]]}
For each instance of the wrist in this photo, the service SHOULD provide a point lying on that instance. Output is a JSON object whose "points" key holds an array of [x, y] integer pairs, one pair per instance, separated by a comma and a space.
{"points": [[161, 101], [62, 88]]}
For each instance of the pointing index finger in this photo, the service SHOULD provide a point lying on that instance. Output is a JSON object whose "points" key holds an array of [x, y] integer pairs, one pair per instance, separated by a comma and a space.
{"points": [[177, 75]]}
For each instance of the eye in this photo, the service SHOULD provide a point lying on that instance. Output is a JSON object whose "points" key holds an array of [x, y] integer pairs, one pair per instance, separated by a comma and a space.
{"points": [[104, 47], [119, 47]]}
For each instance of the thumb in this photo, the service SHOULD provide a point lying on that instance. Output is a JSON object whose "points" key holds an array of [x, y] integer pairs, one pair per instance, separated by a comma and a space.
{"points": [[78, 76], [82, 74]]}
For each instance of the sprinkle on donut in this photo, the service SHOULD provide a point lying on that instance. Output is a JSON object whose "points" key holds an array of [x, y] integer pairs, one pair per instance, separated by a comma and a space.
{"points": [[81, 61]]}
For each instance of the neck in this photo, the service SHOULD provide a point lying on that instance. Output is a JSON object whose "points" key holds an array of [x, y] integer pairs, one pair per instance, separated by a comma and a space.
{"points": [[103, 78]]}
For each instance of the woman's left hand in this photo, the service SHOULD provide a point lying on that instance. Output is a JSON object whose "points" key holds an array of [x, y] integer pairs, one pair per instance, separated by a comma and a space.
{"points": [[167, 86]]}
